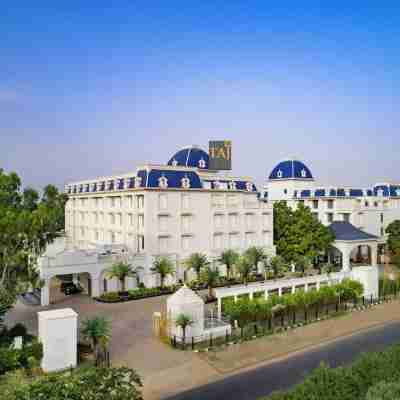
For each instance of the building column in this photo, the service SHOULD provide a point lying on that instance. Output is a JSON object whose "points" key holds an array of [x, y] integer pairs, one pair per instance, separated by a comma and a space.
{"points": [[45, 292], [293, 289], [374, 255], [75, 279], [96, 284], [251, 295]]}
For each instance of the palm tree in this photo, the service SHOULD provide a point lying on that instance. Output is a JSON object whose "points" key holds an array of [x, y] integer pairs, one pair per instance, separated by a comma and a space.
{"points": [[183, 321], [97, 330], [277, 265], [244, 267], [228, 258], [121, 271], [210, 276], [256, 255], [163, 266], [196, 262]]}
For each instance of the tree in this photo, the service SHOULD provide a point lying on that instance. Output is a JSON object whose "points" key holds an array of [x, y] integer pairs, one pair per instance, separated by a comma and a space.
{"points": [[303, 263], [393, 231], [121, 271], [97, 330], [244, 267], [277, 265], [228, 258], [256, 255], [196, 262], [299, 233], [184, 321], [210, 276], [164, 267], [27, 226]]}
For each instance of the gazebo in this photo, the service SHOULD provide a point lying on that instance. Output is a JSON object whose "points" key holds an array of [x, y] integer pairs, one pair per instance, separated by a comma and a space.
{"points": [[356, 247]]}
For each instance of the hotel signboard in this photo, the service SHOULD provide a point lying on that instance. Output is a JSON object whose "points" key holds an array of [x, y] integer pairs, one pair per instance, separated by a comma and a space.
{"points": [[220, 155]]}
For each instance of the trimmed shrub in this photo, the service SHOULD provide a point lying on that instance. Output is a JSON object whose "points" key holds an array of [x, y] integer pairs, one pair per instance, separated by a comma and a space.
{"points": [[384, 391], [110, 297]]}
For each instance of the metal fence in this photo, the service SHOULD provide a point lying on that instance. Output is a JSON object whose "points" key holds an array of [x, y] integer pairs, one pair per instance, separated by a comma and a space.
{"points": [[285, 320]]}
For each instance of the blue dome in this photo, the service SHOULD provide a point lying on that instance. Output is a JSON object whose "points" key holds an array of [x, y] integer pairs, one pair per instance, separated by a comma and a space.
{"points": [[291, 169], [190, 157]]}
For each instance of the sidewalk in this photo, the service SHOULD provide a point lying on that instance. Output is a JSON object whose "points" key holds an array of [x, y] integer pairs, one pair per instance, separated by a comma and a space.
{"points": [[211, 366]]}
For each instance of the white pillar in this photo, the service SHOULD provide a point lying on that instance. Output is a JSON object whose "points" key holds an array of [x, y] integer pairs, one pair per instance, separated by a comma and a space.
{"points": [[235, 298], [251, 295], [96, 284], [266, 294], [280, 291], [75, 278], [306, 287], [293, 289], [45, 292], [219, 307]]}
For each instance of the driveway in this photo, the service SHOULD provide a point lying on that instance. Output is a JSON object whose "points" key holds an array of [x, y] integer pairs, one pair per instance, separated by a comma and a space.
{"points": [[132, 343]]}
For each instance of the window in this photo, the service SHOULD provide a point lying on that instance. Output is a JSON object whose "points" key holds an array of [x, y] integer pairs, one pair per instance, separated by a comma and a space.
{"points": [[330, 204], [233, 240], [130, 219], [218, 221], [96, 235], [119, 219], [284, 191], [366, 204], [112, 219], [162, 202], [140, 243], [112, 202], [330, 217], [301, 202], [163, 223], [315, 215], [96, 218], [113, 237], [218, 241], [232, 200], [129, 201], [186, 223], [186, 243], [82, 232], [315, 204], [249, 239], [163, 244], [233, 220], [376, 204], [140, 221], [118, 202], [185, 202], [346, 217], [382, 232], [381, 218], [140, 201], [249, 221]]}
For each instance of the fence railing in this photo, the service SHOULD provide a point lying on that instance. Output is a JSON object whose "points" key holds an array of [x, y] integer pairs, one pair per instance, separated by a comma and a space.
{"points": [[287, 319]]}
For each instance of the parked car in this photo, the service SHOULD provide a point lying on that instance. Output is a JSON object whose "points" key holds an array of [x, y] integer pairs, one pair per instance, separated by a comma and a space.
{"points": [[70, 288]]}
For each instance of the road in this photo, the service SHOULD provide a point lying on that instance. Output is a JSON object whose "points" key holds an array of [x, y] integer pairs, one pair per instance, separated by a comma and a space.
{"points": [[280, 375]]}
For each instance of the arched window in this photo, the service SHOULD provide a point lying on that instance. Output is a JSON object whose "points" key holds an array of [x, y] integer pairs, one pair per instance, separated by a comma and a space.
{"points": [[185, 182], [279, 174], [163, 182], [249, 186]]}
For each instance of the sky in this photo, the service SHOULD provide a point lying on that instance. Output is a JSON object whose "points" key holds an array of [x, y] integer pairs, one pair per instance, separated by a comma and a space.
{"points": [[90, 88]]}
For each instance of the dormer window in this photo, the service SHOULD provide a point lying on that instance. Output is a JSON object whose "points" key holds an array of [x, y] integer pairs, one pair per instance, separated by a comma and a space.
{"points": [[397, 192], [185, 182], [279, 174], [163, 182], [380, 192], [303, 173], [232, 185], [174, 162], [111, 185], [216, 185], [138, 182], [202, 163], [249, 186]]}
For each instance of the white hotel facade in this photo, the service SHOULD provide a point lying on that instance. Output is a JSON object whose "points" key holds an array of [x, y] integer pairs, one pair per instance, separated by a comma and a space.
{"points": [[174, 210], [183, 207]]}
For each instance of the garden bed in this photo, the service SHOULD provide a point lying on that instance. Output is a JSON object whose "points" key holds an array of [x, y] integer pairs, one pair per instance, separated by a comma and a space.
{"points": [[134, 294]]}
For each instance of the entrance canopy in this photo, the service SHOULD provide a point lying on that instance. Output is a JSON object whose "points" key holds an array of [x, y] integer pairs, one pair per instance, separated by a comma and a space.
{"points": [[357, 247]]}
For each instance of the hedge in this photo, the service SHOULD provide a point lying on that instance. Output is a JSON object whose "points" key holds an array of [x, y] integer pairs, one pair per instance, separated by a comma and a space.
{"points": [[135, 294], [349, 383]]}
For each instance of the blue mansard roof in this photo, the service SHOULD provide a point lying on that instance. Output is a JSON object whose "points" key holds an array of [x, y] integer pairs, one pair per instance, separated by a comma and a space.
{"points": [[190, 157], [345, 231], [291, 169]]}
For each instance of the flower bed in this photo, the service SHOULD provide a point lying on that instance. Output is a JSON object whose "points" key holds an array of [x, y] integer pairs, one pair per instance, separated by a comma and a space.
{"points": [[135, 294]]}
